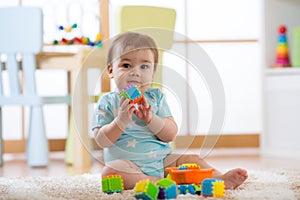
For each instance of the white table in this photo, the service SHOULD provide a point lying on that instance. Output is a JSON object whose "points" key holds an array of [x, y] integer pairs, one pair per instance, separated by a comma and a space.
{"points": [[76, 62]]}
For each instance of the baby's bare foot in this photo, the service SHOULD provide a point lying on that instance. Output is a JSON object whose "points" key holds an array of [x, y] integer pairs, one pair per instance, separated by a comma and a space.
{"points": [[234, 178]]}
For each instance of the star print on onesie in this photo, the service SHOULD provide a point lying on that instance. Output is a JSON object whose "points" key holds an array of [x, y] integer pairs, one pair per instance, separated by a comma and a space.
{"points": [[152, 154], [131, 143]]}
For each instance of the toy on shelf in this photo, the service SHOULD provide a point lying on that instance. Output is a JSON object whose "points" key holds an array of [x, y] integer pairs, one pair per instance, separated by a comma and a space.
{"points": [[112, 184], [132, 93], [167, 189], [282, 53], [77, 40], [67, 29], [145, 190], [296, 47]]}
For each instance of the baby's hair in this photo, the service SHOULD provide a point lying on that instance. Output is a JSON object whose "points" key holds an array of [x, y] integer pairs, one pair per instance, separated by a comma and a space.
{"points": [[130, 41]]}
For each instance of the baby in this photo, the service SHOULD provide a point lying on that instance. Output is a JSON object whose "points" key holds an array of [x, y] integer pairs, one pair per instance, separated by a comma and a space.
{"points": [[136, 139]]}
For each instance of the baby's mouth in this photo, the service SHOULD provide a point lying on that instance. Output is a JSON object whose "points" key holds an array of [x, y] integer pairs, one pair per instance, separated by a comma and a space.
{"points": [[134, 82]]}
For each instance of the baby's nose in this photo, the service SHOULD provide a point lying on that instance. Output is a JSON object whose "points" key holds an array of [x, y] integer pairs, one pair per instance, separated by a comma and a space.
{"points": [[135, 71]]}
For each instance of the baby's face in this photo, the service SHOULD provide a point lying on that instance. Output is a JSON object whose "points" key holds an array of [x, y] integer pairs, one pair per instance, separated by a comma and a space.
{"points": [[135, 67]]}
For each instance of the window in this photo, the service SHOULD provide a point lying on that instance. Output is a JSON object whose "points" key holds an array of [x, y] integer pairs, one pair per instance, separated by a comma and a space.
{"points": [[229, 31], [65, 13]]}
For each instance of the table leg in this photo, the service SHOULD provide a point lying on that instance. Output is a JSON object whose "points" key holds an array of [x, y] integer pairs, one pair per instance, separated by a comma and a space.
{"points": [[82, 146]]}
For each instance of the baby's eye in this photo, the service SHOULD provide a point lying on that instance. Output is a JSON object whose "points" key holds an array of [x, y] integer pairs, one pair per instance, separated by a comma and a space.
{"points": [[144, 67], [126, 65]]}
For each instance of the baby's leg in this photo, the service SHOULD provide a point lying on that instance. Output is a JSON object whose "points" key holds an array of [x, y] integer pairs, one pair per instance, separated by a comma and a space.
{"points": [[232, 178], [130, 173]]}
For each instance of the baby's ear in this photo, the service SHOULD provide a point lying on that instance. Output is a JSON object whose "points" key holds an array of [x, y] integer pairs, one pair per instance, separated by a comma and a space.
{"points": [[110, 71]]}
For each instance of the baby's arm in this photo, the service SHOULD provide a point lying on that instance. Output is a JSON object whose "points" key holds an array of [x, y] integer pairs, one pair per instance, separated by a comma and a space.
{"points": [[169, 129], [164, 128], [108, 134]]}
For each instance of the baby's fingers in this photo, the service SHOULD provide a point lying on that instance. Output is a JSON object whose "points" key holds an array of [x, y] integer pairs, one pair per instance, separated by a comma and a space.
{"points": [[124, 103], [144, 102], [149, 108], [132, 110], [122, 99], [129, 106], [138, 113]]}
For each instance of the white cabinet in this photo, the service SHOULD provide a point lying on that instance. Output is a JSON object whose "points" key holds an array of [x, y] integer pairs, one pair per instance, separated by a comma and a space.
{"points": [[281, 131], [281, 135]]}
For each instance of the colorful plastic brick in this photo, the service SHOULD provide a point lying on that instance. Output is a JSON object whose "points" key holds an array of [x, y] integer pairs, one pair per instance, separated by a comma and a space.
{"points": [[189, 188], [183, 189], [112, 183], [167, 189], [198, 189], [188, 166], [189, 174], [145, 190], [212, 187], [219, 188], [132, 93]]}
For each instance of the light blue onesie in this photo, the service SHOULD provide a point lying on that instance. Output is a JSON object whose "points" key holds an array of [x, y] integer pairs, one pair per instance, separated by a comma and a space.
{"points": [[137, 143]]}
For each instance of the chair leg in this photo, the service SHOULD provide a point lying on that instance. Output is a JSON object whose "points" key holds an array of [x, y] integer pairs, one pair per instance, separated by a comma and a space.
{"points": [[69, 150], [1, 143], [37, 143]]}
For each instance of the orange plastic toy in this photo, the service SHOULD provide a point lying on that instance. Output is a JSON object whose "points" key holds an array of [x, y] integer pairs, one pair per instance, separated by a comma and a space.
{"points": [[189, 174]]}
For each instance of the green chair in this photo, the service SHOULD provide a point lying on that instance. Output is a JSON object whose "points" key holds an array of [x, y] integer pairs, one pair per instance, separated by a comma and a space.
{"points": [[150, 20]]}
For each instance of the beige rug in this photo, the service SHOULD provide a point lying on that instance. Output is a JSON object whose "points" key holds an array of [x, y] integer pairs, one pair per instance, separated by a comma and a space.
{"points": [[273, 184]]}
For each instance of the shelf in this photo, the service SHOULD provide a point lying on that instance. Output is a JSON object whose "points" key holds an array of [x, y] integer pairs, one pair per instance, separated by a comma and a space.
{"points": [[283, 71], [281, 86]]}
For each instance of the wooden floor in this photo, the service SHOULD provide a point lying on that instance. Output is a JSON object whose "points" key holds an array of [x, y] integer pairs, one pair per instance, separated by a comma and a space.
{"points": [[222, 159]]}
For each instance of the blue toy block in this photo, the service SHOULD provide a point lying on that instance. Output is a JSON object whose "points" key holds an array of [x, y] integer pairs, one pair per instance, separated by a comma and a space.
{"points": [[207, 187], [189, 188], [182, 189], [132, 93], [167, 189], [213, 187]]}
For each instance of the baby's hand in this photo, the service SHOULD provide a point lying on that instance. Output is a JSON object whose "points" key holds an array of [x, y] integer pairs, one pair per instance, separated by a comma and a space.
{"points": [[125, 113], [144, 111]]}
